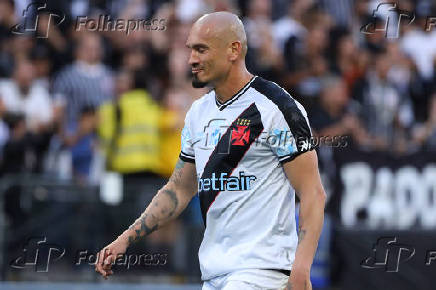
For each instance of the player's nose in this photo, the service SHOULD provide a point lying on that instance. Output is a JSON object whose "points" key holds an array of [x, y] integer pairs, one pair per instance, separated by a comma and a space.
{"points": [[193, 59]]}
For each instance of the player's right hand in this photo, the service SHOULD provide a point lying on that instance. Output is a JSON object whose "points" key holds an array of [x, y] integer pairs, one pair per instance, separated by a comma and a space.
{"points": [[108, 255]]}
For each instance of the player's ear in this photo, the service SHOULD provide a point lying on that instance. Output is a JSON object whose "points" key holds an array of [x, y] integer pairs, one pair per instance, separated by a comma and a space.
{"points": [[235, 49]]}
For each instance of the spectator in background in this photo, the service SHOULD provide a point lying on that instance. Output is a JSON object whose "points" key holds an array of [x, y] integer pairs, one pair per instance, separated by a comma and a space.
{"points": [[129, 128], [7, 17], [335, 114], [83, 143], [291, 25], [306, 63], [40, 57], [348, 60], [56, 42], [420, 48], [17, 147], [401, 70], [420, 45], [134, 59], [21, 47], [425, 134], [263, 55], [21, 94], [361, 16], [130, 134], [385, 113], [85, 84], [7, 20], [335, 127], [340, 10], [15, 160]]}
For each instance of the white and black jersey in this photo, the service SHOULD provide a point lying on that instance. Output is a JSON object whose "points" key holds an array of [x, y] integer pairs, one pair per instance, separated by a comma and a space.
{"points": [[247, 203]]}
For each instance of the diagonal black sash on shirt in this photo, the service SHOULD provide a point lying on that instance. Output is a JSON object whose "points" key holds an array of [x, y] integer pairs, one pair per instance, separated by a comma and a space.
{"points": [[229, 151]]}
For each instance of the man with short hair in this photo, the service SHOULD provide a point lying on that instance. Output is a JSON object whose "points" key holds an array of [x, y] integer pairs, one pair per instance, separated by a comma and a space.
{"points": [[81, 86], [243, 177]]}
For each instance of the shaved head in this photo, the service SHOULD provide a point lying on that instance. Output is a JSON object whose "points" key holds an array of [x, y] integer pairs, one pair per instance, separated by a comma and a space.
{"points": [[219, 45], [225, 26]]}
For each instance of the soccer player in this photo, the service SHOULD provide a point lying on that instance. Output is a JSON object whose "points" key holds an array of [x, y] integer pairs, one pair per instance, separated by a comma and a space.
{"points": [[237, 155]]}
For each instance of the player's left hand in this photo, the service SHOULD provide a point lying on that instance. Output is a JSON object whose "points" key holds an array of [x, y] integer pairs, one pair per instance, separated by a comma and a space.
{"points": [[299, 280]]}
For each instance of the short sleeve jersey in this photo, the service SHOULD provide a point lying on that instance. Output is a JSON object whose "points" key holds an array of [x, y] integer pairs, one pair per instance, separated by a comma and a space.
{"points": [[247, 203]]}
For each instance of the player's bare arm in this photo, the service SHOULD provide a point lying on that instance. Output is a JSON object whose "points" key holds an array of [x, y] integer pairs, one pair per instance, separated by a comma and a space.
{"points": [[165, 206], [304, 176]]}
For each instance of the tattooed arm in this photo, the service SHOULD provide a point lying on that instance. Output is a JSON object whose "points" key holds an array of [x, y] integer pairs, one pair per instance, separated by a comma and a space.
{"points": [[168, 203], [165, 206], [303, 174]]}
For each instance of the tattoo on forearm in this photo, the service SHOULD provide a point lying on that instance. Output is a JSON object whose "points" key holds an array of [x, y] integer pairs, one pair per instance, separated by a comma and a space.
{"points": [[158, 210], [301, 234], [143, 228], [176, 177], [140, 226], [173, 197], [180, 164]]}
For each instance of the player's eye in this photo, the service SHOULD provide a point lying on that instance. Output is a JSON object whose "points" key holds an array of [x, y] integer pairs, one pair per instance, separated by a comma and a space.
{"points": [[198, 48]]}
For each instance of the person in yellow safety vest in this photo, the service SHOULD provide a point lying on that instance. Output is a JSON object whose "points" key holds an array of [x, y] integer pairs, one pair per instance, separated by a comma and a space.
{"points": [[129, 131], [171, 128]]}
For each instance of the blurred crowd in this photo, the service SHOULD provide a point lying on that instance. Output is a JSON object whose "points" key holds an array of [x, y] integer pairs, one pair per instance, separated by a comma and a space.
{"points": [[79, 100]]}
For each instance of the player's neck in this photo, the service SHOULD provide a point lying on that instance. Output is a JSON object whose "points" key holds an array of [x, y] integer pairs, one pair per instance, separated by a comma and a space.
{"points": [[235, 81]]}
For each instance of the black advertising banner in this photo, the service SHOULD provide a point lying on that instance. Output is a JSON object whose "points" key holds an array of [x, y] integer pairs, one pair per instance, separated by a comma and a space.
{"points": [[377, 189], [377, 259], [385, 206]]}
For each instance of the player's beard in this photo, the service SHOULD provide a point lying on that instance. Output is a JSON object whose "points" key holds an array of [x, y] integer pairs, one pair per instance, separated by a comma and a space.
{"points": [[196, 83]]}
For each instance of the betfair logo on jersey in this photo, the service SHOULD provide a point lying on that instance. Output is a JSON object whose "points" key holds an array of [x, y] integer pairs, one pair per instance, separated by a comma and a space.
{"points": [[224, 182]]}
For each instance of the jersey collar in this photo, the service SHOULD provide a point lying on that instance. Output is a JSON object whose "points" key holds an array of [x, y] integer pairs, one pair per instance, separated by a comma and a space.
{"points": [[222, 106]]}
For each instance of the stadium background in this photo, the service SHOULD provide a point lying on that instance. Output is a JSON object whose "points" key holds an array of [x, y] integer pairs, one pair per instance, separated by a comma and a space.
{"points": [[90, 129]]}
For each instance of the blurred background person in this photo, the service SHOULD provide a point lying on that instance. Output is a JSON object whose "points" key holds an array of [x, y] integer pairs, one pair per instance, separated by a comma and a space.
{"points": [[23, 95], [336, 113], [130, 135], [7, 20], [306, 57], [263, 55], [129, 127], [425, 134], [78, 90], [386, 114]]}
